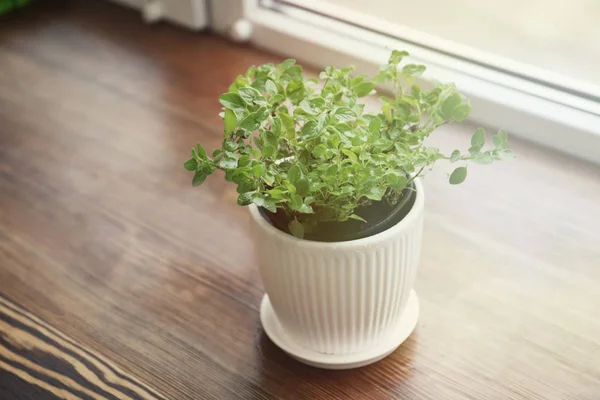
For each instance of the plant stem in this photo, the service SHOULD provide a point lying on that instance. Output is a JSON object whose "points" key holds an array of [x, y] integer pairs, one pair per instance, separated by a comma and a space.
{"points": [[415, 176]]}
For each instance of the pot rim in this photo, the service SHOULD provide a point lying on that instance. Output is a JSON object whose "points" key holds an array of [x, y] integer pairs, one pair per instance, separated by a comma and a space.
{"points": [[414, 212]]}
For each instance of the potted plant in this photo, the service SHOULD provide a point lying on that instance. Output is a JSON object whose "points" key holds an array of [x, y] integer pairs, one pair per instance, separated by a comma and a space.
{"points": [[336, 199]]}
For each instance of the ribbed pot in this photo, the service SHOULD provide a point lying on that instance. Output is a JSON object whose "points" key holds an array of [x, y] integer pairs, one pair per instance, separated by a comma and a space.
{"points": [[343, 297]]}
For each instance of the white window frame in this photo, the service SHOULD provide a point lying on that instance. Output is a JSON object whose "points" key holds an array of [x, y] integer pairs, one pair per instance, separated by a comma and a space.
{"points": [[540, 113], [191, 14]]}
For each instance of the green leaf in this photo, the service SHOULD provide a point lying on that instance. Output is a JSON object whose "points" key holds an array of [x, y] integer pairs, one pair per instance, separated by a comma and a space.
{"points": [[201, 152], [375, 125], [458, 176], [305, 209], [358, 79], [230, 121], [232, 101], [217, 153], [387, 111], [241, 81], [397, 56], [413, 70], [364, 89], [449, 104], [244, 161], [402, 112], [505, 154], [269, 139], [351, 155], [376, 193], [245, 185], [199, 178], [478, 138], [262, 114], [346, 190], [290, 187], [251, 73], [250, 95], [259, 84], [500, 139], [228, 163], [415, 91], [474, 150], [292, 74], [230, 145], [503, 135], [269, 205], [276, 99], [296, 92], [461, 112], [245, 199], [258, 199], [296, 202], [294, 173], [302, 186], [318, 103], [296, 229], [250, 122], [288, 123], [409, 101], [306, 107], [276, 126], [396, 181], [483, 158], [269, 179], [455, 156], [357, 217], [190, 164], [258, 170], [310, 130], [233, 88], [320, 151], [268, 151], [277, 193], [344, 114], [286, 64], [270, 87], [343, 128]]}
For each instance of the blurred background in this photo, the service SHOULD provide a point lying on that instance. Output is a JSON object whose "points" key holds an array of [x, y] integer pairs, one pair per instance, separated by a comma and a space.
{"points": [[554, 35]]}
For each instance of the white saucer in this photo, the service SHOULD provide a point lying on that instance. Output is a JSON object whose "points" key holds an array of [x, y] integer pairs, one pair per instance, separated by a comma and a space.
{"points": [[328, 361]]}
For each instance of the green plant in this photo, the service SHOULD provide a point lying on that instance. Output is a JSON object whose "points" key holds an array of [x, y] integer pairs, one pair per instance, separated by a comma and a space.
{"points": [[316, 153]]}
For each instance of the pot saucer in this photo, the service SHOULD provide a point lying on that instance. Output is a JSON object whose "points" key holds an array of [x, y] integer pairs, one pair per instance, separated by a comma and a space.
{"points": [[400, 333]]}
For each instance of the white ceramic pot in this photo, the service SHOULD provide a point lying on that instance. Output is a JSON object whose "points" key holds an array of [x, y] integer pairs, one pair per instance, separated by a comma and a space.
{"points": [[342, 304]]}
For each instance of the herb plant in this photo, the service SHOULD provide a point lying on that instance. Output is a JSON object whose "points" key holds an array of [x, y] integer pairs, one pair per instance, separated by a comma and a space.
{"points": [[311, 149]]}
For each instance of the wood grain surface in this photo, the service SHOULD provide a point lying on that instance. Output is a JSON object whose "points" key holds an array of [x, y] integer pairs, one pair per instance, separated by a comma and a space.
{"points": [[39, 355], [120, 280]]}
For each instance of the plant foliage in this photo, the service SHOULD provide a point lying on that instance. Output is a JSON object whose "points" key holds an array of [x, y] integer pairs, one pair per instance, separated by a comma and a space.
{"points": [[311, 149]]}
